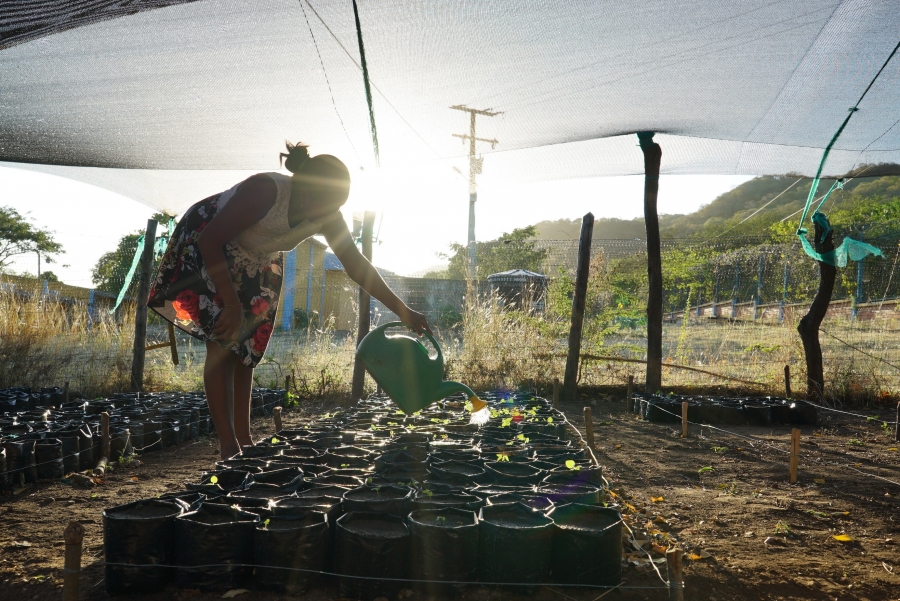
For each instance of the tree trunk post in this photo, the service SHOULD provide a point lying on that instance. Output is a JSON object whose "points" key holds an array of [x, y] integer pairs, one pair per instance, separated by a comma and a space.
{"points": [[555, 393], [589, 428], [808, 328], [787, 381], [140, 318], [582, 272], [629, 394], [795, 456], [652, 159], [359, 370], [73, 536], [684, 419], [105, 446], [276, 413], [676, 579]]}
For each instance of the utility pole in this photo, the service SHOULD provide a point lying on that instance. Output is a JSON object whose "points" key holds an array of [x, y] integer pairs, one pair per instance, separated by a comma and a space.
{"points": [[474, 169]]}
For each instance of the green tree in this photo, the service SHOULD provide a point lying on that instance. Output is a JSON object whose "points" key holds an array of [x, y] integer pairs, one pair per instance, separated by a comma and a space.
{"points": [[19, 237], [513, 250], [111, 268]]}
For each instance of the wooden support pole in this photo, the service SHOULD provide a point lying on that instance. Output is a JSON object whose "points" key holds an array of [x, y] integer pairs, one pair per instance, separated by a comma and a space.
{"points": [[287, 387], [787, 381], [582, 272], [74, 536], [652, 159], [684, 419], [897, 424], [104, 435], [140, 319], [277, 415], [66, 392], [173, 343], [808, 328], [795, 455], [676, 579], [629, 394], [589, 427], [555, 392], [365, 317]]}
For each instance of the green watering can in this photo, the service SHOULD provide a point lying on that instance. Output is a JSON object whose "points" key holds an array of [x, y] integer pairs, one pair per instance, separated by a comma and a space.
{"points": [[400, 364]]}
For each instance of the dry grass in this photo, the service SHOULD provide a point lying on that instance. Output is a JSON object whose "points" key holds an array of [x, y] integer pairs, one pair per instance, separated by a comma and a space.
{"points": [[44, 342]]}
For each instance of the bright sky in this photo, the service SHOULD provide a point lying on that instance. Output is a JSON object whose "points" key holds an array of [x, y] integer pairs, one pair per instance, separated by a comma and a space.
{"points": [[420, 213]]}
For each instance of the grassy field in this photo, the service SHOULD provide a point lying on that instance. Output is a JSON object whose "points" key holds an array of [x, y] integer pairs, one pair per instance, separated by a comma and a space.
{"points": [[44, 343]]}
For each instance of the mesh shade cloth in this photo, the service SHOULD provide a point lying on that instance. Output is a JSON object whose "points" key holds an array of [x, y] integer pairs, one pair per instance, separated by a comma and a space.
{"points": [[743, 87]]}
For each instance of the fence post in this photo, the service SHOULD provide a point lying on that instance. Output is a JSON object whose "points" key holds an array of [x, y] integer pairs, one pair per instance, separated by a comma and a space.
{"points": [[758, 298], [555, 392], [737, 283], [73, 537], [859, 287], [783, 294], [652, 159], [359, 371], [578, 299], [715, 312], [90, 319], [289, 282], [684, 419], [276, 414], [787, 380], [140, 320], [795, 455], [309, 279], [676, 580], [897, 425]]}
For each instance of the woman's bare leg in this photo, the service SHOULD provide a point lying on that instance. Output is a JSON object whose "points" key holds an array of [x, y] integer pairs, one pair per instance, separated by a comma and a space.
{"points": [[218, 380], [243, 383]]}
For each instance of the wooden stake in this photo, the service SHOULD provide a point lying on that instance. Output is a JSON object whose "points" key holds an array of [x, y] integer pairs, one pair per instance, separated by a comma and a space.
{"points": [[684, 420], [897, 424], [140, 319], [795, 454], [104, 435], [676, 580], [74, 536], [629, 393], [589, 427], [365, 317], [277, 413], [173, 345], [787, 381], [555, 392], [287, 386], [66, 392], [582, 273]]}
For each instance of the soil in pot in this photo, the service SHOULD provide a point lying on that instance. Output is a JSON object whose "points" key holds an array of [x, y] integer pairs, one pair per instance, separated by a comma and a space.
{"points": [[444, 548], [514, 526], [140, 533], [217, 536], [587, 545], [290, 542], [373, 546], [393, 500]]}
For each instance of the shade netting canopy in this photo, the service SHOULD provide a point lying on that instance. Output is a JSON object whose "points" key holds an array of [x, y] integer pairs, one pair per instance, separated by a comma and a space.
{"points": [[139, 96]]}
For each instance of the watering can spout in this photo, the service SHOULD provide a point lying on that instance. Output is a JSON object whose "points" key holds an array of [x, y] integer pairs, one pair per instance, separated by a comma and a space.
{"points": [[447, 388]]}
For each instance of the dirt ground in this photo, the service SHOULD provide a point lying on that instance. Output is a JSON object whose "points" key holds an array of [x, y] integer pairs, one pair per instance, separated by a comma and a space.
{"points": [[751, 534]]}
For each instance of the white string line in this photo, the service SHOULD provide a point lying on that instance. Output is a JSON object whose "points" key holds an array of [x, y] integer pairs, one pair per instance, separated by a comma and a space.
{"points": [[809, 458], [780, 194], [596, 462], [375, 578]]}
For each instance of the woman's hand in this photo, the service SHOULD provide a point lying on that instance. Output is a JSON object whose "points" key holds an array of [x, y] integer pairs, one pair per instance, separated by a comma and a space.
{"points": [[229, 323], [417, 321]]}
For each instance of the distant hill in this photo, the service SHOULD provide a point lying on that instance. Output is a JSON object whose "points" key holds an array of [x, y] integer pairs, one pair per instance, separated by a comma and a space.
{"points": [[728, 212]]}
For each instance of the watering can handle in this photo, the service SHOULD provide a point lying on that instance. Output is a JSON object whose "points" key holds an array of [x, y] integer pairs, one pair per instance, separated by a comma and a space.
{"points": [[392, 324]]}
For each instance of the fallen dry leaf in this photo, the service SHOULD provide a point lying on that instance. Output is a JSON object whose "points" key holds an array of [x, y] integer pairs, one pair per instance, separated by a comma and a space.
{"points": [[234, 593], [844, 538], [656, 499], [819, 480]]}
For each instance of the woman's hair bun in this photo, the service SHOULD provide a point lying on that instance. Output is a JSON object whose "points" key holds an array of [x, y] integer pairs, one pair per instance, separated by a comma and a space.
{"points": [[296, 156]]}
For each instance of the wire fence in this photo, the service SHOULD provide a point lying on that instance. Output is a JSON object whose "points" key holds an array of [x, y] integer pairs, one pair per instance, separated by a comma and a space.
{"points": [[731, 307]]}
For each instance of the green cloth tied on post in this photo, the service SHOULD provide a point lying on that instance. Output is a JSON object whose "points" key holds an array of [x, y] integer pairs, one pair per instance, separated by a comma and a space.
{"points": [[159, 247], [849, 248]]}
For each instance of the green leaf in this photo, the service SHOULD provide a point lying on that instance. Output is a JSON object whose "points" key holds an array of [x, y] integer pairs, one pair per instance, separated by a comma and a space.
{"points": [[274, 440], [570, 463], [214, 480], [703, 470], [549, 420]]}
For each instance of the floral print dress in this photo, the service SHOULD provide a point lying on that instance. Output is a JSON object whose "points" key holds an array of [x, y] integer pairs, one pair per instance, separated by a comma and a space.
{"points": [[184, 294]]}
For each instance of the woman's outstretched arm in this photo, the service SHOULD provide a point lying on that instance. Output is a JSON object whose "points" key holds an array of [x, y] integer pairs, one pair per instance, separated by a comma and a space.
{"points": [[363, 273]]}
